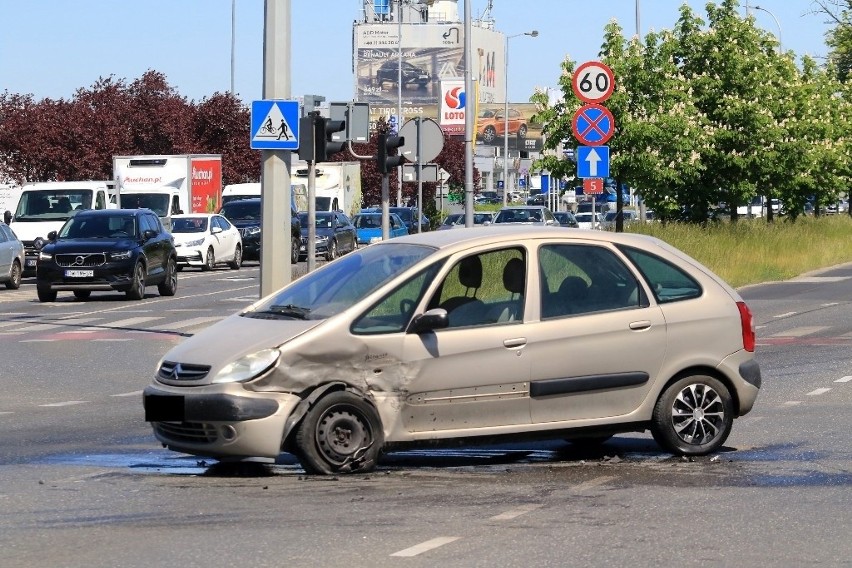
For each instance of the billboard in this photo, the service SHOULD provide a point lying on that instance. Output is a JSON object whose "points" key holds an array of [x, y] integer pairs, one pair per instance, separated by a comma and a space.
{"points": [[431, 55], [523, 133]]}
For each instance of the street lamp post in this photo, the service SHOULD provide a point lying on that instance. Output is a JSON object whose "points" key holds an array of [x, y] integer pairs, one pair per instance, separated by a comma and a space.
{"points": [[533, 33], [777, 23]]}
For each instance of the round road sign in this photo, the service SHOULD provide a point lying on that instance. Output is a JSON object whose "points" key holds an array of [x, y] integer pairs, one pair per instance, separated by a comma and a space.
{"points": [[593, 125], [431, 140], [593, 82]]}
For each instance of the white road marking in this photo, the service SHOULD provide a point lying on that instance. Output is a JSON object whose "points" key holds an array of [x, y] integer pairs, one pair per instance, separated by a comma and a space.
{"points": [[7, 412], [190, 323], [845, 379], [130, 322], [134, 393], [113, 340], [801, 331], [828, 305], [66, 403], [593, 483], [516, 512], [426, 546], [792, 402], [785, 315], [78, 331], [819, 391], [37, 340]]}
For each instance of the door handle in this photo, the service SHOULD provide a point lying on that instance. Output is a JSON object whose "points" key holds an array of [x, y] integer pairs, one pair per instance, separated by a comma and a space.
{"points": [[516, 342], [640, 325]]}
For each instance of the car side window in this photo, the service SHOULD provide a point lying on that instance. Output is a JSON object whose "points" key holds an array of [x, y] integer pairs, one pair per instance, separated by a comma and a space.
{"points": [[668, 282], [580, 279], [484, 289], [394, 311], [4, 236]]}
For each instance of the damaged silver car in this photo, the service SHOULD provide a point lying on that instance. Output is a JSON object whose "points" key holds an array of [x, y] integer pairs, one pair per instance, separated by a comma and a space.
{"points": [[469, 335]]}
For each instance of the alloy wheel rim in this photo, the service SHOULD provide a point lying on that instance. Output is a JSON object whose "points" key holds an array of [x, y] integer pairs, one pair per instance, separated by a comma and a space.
{"points": [[698, 414]]}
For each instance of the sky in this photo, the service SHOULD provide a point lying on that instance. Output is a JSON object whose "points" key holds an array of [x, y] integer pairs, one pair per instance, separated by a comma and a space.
{"points": [[51, 48]]}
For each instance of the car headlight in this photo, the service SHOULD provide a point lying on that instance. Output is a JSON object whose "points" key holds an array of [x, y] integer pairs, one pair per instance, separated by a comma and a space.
{"points": [[322, 239], [195, 243], [252, 230], [248, 367], [46, 256], [123, 255]]}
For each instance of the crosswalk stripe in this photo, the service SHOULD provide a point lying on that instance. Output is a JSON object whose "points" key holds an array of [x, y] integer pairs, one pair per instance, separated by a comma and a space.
{"points": [[190, 323], [801, 331]]}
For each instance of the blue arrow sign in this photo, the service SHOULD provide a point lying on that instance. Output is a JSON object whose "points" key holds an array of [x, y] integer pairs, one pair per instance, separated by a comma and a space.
{"points": [[275, 125], [592, 161]]}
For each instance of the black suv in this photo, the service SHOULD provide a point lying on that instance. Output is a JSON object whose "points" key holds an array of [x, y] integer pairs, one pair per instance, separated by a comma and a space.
{"points": [[245, 216], [411, 74], [108, 249]]}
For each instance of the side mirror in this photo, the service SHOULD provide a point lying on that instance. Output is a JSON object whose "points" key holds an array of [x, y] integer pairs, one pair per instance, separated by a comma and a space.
{"points": [[431, 320], [215, 230], [7, 217], [51, 236], [149, 234]]}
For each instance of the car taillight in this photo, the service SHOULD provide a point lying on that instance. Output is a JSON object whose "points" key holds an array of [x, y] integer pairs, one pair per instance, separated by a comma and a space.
{"points": [[747, 323]]}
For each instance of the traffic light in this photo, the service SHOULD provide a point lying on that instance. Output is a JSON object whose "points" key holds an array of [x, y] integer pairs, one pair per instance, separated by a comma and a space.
{"points": [[386, 158], [315, 137]]}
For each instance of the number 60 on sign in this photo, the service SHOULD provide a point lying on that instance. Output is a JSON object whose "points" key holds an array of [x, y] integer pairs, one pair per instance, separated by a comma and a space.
{"points": [[593, 82]]}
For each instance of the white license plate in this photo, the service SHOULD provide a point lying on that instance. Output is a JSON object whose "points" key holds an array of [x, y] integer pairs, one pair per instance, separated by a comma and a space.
{"points": [[79, 273], [31, 262]]}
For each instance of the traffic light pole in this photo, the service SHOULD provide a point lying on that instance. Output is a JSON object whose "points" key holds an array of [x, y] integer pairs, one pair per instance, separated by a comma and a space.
{"points": [[311, 248]]}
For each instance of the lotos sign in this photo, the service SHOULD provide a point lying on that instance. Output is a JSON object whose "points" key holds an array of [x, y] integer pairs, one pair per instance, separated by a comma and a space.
{"points": [[453, 106]]}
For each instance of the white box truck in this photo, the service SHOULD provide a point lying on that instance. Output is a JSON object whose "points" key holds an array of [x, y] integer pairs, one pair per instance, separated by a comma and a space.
{"points": [[249, 190], [44, 207], [169, 184], [338, 185]]}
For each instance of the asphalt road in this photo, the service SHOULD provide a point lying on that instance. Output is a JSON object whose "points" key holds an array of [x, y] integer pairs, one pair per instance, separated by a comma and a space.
{"points": [[84, 483]]}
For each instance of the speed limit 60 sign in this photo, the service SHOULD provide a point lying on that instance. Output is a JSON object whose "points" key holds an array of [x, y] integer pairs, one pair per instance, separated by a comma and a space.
{"points": [[593, 82]]}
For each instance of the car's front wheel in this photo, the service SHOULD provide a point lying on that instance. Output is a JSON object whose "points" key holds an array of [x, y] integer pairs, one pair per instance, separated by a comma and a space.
{"points": [[341, 433], [693, 416], [331, 254], [14, 281], [168, 287], [137, 286], [237, 261], [295, 245], [46, 295], [522, 131], [489, 134], [209, 260]]}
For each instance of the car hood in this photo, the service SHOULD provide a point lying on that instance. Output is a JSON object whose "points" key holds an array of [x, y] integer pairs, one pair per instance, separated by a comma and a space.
{"points": [[242, 223], [234, 337], [181, 238], [90, 245], [321, 232]]}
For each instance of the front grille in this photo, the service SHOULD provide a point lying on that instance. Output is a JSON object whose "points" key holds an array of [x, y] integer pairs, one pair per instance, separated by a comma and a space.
{"points": [[83, 259], [192, 432], [182, 371]]}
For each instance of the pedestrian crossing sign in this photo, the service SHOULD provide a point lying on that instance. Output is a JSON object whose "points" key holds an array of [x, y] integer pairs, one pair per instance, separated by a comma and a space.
{"points": [[275, 125]]}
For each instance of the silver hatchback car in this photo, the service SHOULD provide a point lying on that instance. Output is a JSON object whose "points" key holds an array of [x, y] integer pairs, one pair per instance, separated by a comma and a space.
{"points": [[474, 333], [11, 257]]}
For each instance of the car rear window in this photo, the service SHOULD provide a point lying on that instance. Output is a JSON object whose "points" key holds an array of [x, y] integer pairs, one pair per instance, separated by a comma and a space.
{"points": [[668, 282]]}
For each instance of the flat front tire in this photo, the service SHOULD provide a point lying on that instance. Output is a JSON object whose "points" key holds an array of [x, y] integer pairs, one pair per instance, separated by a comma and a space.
{"points": [[693, 416], [341, 433]]}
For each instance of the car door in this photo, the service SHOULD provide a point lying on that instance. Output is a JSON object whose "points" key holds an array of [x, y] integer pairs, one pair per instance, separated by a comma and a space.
{"points": [[7, 251], [345, 233], [599, 343], [470, 375], [225, 238], [154, 248]]}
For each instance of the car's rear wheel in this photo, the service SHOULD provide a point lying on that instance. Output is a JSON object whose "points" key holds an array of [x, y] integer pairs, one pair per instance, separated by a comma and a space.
{"points": [[237, 261], [209, 260], [693, 416], [82, 294], [46, 295], [14, 281], [341, 433], [137, 286], [168, 287], [331, 254]]}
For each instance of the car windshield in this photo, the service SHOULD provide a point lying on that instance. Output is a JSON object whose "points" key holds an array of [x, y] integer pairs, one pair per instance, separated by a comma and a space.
{"points": [[340, 284], [367, 221], [404, 214], [156, 202], [518, 216], [52, 204], [454, 219], [323, 221], [189, 225], [99, 227], [242, 210]]}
